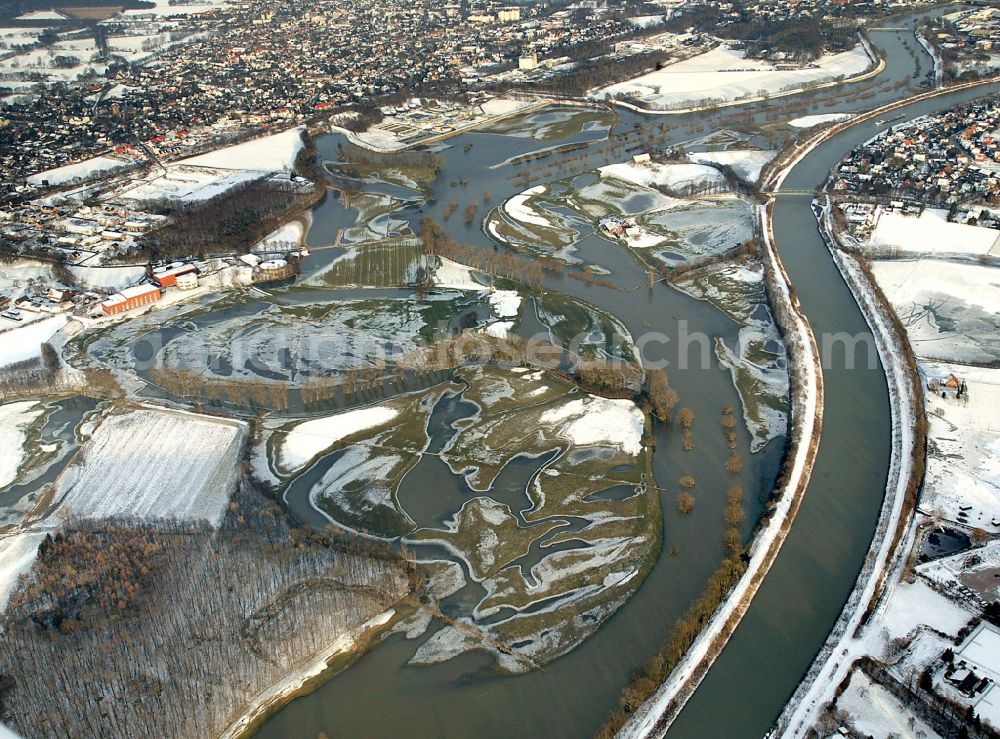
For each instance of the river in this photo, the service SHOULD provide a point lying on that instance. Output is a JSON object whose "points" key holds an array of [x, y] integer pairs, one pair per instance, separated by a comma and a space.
{"points": [[746, 689]]}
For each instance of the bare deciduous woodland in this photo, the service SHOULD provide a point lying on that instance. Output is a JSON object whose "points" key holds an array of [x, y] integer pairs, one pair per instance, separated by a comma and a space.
{"points": [[124, 629]]}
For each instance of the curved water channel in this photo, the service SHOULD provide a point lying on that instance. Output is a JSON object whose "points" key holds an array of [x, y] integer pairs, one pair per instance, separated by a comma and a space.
{"points": [[746, 689]]}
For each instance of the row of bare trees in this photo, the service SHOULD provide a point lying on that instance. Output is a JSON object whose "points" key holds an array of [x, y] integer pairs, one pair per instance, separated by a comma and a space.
{"points": [[437, 242], [687, 628]]}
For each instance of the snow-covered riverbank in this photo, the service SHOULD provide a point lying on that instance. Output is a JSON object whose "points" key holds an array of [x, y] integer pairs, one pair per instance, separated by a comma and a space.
{"points": [[654, 717], [881, 566]]}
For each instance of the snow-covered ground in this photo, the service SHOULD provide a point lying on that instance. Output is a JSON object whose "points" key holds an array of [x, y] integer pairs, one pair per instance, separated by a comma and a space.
{"points": [[24, 342], [874, 711], [594, 420], [504, 106], [723, 75], [288, 235], [108, 278], [17, 553], [951, 310], [94, 166], [963, 455], [518, 209], [455, 276], [745, 163], [932, 233], [184, 182], [14, 421], [672, 176], [164, 8], [305, 441], [155, 464], [275, 153], [808, 121]]}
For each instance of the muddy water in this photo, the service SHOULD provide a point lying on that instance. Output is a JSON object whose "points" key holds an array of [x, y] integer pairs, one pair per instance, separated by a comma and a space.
{"points": [[381, 696]]}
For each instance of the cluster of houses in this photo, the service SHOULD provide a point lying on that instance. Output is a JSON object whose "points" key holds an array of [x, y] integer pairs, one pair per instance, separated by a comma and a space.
{"points": [[969, 41], [345, 55], [75, 233], [947, 159]]}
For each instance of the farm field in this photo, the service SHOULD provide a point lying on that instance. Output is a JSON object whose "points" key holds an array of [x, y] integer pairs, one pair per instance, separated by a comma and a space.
{"points": [[962, 481], [154, 464], [382, 264], [723, 75], [951, 310]]}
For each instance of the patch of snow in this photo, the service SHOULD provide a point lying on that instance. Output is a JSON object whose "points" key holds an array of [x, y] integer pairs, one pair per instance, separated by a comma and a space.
{"points": [[303, 442], [671, 176], [746, 163], [808, 121], [517, 208], [14, 420], [455, 276], [598, 421], [505, 303], [17, 554], [24, 343]]}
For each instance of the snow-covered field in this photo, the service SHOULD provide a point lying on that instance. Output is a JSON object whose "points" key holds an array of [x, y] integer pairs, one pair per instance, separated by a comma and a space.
{"points": [[25, 341], [676, 177], [154, 464], [163, 8], [723, 75], [455, 276], [102, 165], [305, 441], [275, 153], [701, 228], [289, 234], [745, 163], [108, 278], [963, 455], [951, 310], [14, 421], [183, 182], [932, 233], [504, 106]]}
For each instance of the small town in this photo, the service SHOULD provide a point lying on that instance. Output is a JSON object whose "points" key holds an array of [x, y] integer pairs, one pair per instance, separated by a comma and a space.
{"points": [[624, 369]]}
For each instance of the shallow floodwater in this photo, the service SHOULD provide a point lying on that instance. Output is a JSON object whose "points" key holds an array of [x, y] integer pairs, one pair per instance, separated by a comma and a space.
{"points": [[381, 696]]}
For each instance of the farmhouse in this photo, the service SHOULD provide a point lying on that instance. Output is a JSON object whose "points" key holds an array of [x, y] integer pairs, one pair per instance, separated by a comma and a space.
{"points": [[950, 386], [976, 670], [131, 297]]}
